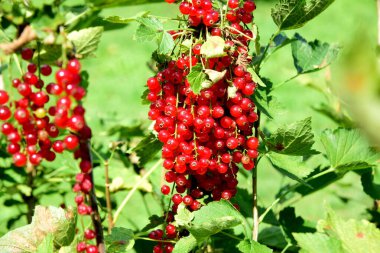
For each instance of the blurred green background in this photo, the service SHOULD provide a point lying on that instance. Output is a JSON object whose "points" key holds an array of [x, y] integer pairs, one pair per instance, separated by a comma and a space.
{"points": [[119, 70]]}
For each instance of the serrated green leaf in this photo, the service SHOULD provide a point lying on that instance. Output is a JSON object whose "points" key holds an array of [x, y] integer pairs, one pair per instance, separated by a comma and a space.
{"points": [[185, 244], [147, 149], [317, 243], [213, 218], [213, 47], [346, 149], [85, 41], [295, 139], [196, 78], [355, 236], [291, 14], [183, 216], [290, 166], [149, 29], [120, 240], [165, 43], [312, 56], [249, 246], [120, 20]]}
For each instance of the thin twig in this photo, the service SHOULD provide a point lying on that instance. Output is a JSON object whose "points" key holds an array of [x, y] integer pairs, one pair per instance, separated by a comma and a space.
{"points": [[108, 198], [95, 216], [255, 228]]}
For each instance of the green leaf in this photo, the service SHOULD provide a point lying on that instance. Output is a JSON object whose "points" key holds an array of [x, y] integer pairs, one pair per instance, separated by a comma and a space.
{"points": [[291, 166], [295, 139], [213, 218], [120, 240], [290, 223], [291, 14], [273, 237], [47, 221], [312, 56], [256, 78], [147, 149], [148, 29], [317, 243], [196, 78], [279, 41], [120, 20], [47, 245], [213, 47], [49, 54], [85, 41], [371, 182], [337, 115], [249, 246], [355, 236], [154, 221], [347, 149], [183, 216], [185, 244], [165, 43]]}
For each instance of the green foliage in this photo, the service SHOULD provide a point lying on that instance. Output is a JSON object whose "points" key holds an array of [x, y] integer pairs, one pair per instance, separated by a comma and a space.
{"points": [[147, 149], [347, 150], [197, 78], [249, 246], [151, 29], [51, 227], [292, 14], [185, 244], [85, 41], [120, 240], [312, 56], [295, 139], [336, 235], [113, 3]]}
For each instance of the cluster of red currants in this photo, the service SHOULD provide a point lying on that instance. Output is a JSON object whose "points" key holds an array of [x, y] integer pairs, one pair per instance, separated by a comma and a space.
{"points": [[205, 135], [38, 128]]}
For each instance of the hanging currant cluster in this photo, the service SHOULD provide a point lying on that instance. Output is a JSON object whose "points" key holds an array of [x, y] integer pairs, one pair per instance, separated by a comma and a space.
{"points": [[205, 135], [41, 121]]}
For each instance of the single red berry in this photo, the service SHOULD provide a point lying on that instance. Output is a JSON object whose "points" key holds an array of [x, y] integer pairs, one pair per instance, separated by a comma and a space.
{"points": [[165, 189], [19, 159], [81, 246], [71, 142], [252, 143], [89, 234], [91, 249], [4, 97], [27, 53]]}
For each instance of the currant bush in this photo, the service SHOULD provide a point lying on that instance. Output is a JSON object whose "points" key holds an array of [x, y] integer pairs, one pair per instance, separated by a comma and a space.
{"points": [[205, 136]]}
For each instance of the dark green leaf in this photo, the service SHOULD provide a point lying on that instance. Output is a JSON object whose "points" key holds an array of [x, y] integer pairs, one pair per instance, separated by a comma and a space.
{"points": [[371, 182], [263, 98], [273, 237], [185, 244], [312, 56], [147, 149], [291, 223], [196, 78], [155, 221], [85, 41], [49, 54], [346, 149], [127, 132], [120, 240], [295, 139], [291, 14], [338, 117], [249, 246]]}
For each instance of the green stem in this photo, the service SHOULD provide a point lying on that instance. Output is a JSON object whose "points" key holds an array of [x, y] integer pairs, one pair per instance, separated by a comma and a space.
{"points": [[258, 65], [134, 189]]}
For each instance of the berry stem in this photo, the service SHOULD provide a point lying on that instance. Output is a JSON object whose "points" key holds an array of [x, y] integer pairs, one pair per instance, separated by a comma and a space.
{"points": [[255, 230], [95, 216], [134, 189]]}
